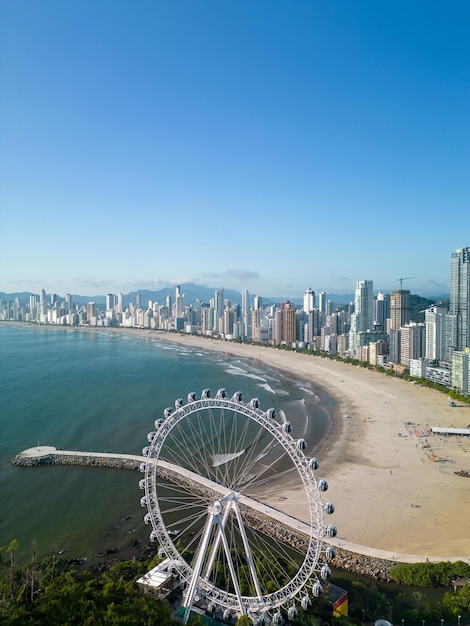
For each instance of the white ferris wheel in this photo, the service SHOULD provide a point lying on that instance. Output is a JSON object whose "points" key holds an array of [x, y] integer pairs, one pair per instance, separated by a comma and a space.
{"points": [[211, 474]]}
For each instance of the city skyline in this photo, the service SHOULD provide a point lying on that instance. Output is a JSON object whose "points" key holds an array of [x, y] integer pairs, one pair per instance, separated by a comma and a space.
{"points": [[375, 329], [260, 146]]}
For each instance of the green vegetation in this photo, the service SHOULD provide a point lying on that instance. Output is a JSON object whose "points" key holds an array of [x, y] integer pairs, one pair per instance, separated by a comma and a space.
{"points": [[54, 592], [430, 574], [367, 604]]}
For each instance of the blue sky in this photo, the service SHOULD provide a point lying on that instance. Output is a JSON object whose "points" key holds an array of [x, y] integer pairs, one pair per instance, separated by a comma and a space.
{"points": [[247, 144]]}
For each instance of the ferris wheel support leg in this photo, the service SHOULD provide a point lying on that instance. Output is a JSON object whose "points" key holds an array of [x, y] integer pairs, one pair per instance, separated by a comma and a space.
{"points": [[218, 521], [216, 544], [191, 591], [249, 556]]}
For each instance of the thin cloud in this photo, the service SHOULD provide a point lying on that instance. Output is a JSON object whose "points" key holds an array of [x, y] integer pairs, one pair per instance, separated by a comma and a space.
{"points": [[242, 274], [341, 279]]}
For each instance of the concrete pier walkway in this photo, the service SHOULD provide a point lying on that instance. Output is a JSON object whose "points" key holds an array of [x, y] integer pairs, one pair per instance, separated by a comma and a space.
{"points": [[49, 455]]}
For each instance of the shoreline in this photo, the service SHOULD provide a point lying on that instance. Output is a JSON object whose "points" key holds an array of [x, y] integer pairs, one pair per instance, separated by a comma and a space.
{"points": [[387, 491]]}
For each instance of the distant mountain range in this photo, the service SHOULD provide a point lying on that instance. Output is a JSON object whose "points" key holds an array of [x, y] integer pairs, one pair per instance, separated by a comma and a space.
{"points": [[193, 292]]}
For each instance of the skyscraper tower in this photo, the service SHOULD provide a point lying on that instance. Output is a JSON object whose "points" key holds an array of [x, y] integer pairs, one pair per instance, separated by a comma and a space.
{"points": [[246, 317], [219, 306], [285, 328], [179, 302], [309, 300], [458, 318], [363, 317], [434, 319], [68, 300], [245, 302], [381, 310], [364, 305], [400, 308]]}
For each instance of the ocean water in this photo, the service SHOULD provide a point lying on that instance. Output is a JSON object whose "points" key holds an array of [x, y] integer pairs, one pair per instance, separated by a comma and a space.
{"points": [[102, 391]]}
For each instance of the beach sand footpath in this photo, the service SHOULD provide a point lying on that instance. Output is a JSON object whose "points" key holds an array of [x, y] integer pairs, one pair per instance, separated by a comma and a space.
{"points": [[388, 492]]}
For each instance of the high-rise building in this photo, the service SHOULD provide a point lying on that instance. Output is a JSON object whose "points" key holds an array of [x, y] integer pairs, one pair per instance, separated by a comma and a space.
{"points": [[285, 324], [458, 318], [32, 306], [91, 312], [179, 303], [400, 308], [246, 317], [434, 319], [381, 310], [363, 317], [245, 302], [412, 342], [364, 305], [309, 300], [313, 325], [289, 322], [219, 305], [460, 377], [68, 302]]}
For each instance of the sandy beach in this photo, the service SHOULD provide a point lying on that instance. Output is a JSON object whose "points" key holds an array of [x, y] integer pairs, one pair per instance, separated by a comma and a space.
{"points": [[388, 492]]}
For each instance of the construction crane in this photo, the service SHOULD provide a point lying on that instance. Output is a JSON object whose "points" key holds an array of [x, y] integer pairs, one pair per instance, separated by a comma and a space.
{"points": [[404, 278]]}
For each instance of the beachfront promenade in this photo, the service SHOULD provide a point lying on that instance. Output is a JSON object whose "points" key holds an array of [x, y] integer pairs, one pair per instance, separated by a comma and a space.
{"points": [[292, 528]]}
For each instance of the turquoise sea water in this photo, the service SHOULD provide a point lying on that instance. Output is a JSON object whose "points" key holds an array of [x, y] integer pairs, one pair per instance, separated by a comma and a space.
{"points": [[102, 391]]}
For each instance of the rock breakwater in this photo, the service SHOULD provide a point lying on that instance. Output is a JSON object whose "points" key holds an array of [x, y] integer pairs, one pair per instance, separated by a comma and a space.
{"points": [[89, 460]]}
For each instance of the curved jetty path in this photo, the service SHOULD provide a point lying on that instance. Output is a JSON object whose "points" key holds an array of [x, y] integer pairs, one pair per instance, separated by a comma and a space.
{"points": [[362, 559]]}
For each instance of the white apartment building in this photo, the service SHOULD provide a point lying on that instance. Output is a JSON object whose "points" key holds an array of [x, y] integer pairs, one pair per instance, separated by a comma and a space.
{"points": [[434, 320]]}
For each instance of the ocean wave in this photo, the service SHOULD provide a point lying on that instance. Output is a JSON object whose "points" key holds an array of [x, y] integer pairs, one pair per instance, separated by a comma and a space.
{"points": [[302, 402], [316, 399], [238, 371], [221, 459], [267, 387]]}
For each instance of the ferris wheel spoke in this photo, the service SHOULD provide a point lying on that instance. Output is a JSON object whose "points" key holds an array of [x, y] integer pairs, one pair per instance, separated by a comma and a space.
{"points": [[266, 472], [241, 464], [255, 485], [253, 461], [243, 441], [264, 545], [187, 449]]}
